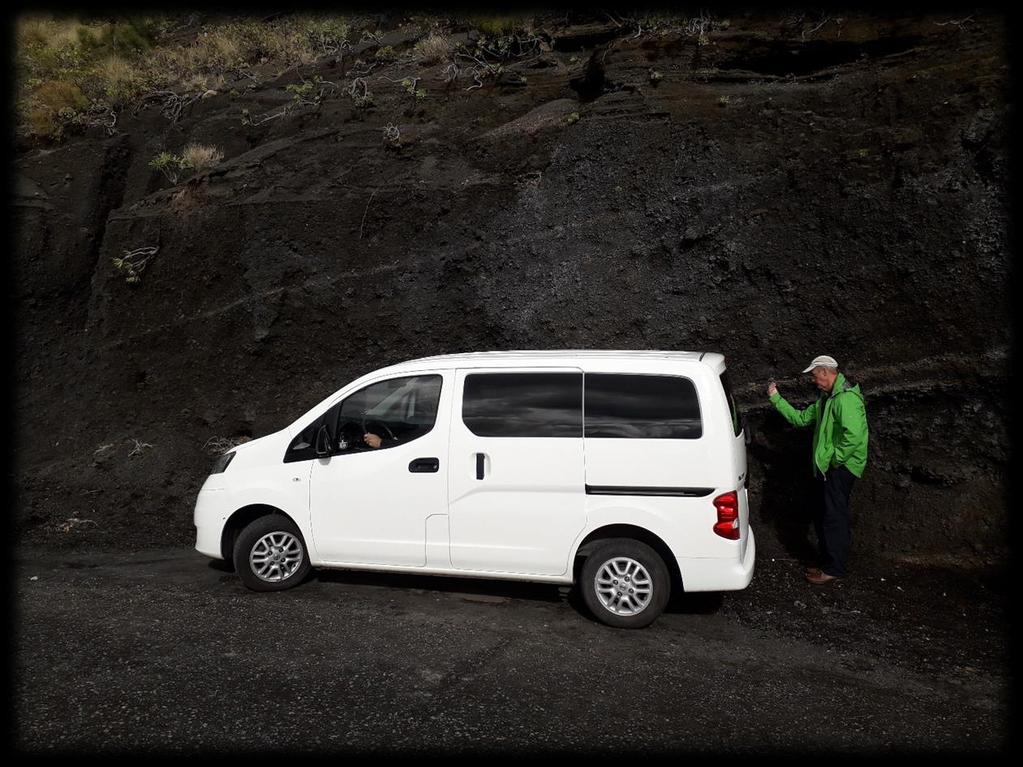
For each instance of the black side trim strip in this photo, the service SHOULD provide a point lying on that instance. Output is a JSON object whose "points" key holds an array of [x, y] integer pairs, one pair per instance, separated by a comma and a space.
{"points": [[683, 492]]}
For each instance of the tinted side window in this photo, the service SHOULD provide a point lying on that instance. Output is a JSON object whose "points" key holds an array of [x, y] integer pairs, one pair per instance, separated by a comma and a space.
{"points": [[641, 407], [523, 404]]}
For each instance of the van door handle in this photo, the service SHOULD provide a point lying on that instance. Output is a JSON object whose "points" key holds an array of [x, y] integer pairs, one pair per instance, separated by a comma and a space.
{"points": [[424, 465], [479, 465]]}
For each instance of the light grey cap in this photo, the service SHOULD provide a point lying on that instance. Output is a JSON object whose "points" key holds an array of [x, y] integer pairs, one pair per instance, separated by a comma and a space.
{"points": [[824, 361]]}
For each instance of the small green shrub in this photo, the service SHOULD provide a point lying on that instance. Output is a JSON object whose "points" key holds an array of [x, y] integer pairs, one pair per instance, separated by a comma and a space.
{"points": [[301, 91], [411, 86], [167, 164], [195, 157], [499, 25], [132, 263], [116, 81], [200, 157], [121, 37], [53, 106], [392, 136], [360, 94], [432, 49], [311, 92], [328, 32]]}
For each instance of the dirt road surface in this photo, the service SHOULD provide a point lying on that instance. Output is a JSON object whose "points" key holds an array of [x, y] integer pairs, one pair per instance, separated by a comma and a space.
{"points": [[163, 651]]}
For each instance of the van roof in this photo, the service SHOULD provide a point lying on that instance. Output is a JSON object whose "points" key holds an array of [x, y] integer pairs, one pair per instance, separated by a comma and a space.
{"points": [[713, 360]]}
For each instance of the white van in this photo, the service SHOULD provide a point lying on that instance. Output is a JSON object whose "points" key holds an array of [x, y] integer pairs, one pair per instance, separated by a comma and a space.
{"points": [[621, 471]]}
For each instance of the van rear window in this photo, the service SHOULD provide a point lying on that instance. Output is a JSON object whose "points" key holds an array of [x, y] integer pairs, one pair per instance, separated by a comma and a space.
{"points": [[641, 407], [523, 404], [726, 384]]}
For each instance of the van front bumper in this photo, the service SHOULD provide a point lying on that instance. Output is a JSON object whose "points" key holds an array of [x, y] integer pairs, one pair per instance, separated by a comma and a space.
{"points": [[211, 512]]}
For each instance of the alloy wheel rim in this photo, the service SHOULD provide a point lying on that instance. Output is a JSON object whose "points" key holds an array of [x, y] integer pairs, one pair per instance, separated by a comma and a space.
{"points": [[276, 557], [623, 586]]}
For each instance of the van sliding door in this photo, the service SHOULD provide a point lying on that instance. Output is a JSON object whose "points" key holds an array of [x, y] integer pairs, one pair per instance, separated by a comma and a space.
{"points": [[515, 480]]}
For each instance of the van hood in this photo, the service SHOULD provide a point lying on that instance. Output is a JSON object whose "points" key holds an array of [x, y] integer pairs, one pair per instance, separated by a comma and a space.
{"points": [[255, 444]]}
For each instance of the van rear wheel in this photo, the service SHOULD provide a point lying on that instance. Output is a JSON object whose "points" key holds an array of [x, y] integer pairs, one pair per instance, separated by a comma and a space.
{"points": [[625, 583], [270, 554]]}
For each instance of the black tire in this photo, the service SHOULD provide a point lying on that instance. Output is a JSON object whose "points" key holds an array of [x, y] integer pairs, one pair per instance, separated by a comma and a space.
{"points": [[276, 540], [649, 595]]}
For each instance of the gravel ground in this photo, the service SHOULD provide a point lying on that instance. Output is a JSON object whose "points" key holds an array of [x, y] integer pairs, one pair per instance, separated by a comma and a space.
{"points": [[163, 651]]}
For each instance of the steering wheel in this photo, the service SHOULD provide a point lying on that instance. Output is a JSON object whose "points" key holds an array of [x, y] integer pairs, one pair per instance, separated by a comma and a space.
{"points": [[377, 427]]}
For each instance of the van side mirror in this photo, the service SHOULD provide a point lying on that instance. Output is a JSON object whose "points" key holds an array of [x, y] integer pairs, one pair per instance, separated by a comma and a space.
{"points": [[323, 441], [746, 431]]}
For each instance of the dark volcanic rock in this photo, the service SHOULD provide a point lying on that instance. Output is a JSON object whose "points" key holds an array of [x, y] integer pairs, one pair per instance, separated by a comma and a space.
{"points": [[784, 191]]}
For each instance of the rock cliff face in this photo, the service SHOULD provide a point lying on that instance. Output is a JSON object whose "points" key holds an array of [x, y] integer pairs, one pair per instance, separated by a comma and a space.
{"points": [[774, 192]]}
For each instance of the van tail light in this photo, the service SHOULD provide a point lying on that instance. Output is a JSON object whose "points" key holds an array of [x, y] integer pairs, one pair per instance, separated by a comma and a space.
{"points": [[727, 525]]}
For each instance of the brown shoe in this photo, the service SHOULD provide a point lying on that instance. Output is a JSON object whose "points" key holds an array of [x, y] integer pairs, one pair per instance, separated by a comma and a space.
{"points": [[820, 577], [810, 570]]}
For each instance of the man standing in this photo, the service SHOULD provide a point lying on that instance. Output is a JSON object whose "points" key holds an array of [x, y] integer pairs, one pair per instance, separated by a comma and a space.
{"points": [[839, 458]]}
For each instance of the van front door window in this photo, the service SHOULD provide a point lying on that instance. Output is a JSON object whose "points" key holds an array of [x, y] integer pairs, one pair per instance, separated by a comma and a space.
{"points": [[388, 413]]}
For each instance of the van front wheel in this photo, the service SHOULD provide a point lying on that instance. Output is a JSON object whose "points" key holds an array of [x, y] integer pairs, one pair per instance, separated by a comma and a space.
{"points": [[270, 555], [625, 583]]}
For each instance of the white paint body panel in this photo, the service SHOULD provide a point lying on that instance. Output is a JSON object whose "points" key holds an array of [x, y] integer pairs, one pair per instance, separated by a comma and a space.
{"points": [[368, 508], [256, 476], [528, 517], [528, 508]]}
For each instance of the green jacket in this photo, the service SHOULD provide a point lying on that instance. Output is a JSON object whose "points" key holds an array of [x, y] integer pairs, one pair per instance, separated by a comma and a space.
{"points": [[840, 433]]}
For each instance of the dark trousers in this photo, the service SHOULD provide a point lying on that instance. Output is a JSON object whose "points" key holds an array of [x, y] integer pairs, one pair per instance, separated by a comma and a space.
{"points": [[832, 520]]}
